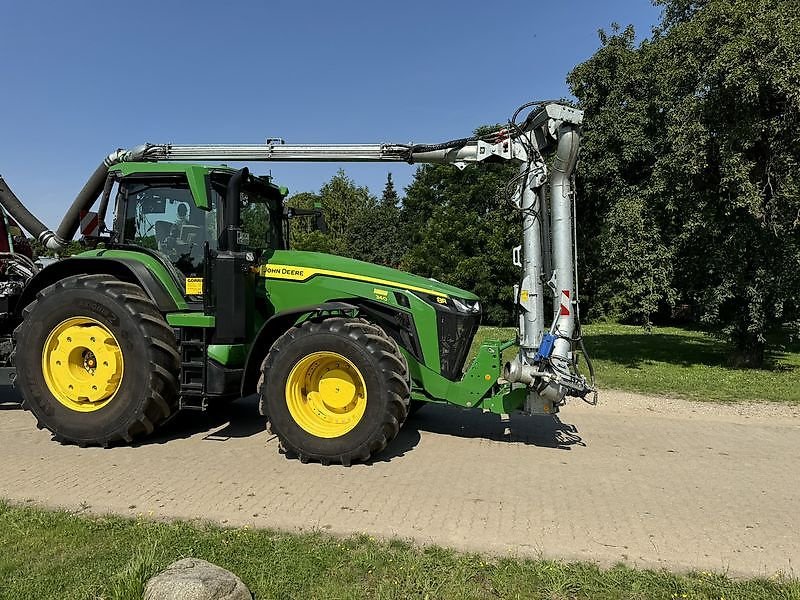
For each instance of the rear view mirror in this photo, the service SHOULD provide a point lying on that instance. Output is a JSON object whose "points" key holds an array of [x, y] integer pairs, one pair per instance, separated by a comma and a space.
{"points": [[319, 220]]}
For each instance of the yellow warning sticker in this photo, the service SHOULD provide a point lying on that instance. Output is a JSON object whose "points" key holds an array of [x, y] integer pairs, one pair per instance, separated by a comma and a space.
{"points": [[523, 296], [194, 286]]}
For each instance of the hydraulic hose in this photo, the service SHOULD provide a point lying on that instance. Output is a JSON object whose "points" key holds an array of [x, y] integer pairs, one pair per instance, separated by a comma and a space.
{"points": [[16, 209], [459, 143], [87, 196], [57, 240]]}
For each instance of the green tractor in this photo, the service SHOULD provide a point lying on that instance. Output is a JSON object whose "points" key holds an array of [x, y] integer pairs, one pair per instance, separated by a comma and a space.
{"points": [[195, 297]]}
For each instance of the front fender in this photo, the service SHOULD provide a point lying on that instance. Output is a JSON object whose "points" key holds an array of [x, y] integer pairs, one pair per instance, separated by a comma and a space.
{"points": [[275, 327]]}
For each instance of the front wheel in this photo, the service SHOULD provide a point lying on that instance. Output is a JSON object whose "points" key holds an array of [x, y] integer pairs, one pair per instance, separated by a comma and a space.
{"points": [[335, 390]]}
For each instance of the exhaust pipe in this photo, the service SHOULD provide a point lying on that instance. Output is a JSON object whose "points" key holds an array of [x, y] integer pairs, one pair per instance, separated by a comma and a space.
{"points": [[57, 240], [231, 216]]}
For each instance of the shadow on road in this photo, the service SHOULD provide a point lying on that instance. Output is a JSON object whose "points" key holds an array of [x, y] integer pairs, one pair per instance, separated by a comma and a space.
{"points": [[222, 422], [405, 441], [543, 431], [240, 419]]}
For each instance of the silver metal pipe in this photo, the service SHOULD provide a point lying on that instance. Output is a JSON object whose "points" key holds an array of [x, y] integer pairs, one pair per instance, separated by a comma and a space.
{"points": [[282, 152], [544, 221], [465, 154], [561, 228], [531, 290], [315, 153]]}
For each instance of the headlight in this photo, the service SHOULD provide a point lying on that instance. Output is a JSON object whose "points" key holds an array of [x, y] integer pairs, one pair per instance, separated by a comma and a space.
{"points": [[466, 306]]}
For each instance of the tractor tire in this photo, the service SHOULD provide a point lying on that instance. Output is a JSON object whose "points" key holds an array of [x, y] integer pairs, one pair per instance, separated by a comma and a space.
{"points": [[96, 362], [334, 390]]}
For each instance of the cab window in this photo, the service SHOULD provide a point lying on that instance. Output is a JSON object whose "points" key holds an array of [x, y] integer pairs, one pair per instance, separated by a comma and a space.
{"points": [[161, 215], [262, 226], [262, 219]]}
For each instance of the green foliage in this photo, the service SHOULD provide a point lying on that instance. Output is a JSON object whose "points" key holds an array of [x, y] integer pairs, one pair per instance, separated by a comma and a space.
{"points": [[359, 225], [461, 232], [64, 556], [380, 238], [74, 247], [689, 169], [255, 222]]}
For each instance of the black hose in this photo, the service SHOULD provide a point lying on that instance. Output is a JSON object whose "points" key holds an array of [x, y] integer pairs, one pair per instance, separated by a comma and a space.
{"points": [[455, 144], [83, 201], [101, 211], [21, 214]]}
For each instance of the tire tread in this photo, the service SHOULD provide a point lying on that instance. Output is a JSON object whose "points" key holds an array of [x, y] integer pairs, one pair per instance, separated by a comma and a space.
{"points": [[393, 370], [162, 397]]}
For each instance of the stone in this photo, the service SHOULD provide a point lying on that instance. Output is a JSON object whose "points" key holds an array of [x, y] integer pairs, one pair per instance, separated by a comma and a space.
{"points": [[196, 579]]}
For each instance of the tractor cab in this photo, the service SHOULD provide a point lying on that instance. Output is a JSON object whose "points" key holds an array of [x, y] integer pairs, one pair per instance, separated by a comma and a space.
{"points": [[184, 212]]}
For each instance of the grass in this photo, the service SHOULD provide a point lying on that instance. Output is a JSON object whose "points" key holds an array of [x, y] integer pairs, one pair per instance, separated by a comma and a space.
{"points": [[678, 362], [59, 555]]}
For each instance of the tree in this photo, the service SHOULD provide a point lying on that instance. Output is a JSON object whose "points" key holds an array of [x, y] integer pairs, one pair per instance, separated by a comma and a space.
{"points": [[303, 235], [379, 238], [625, 256], [389, 196], [692, 154], [359, 226], [461, 231], [72, 247]]}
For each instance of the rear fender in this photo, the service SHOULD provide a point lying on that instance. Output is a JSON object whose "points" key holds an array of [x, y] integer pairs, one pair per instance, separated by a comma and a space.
{"points": [[128, 270]]}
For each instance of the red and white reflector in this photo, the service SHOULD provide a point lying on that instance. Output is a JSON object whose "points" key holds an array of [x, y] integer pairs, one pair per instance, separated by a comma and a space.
{"points": [[90, 224], [564, 311]]}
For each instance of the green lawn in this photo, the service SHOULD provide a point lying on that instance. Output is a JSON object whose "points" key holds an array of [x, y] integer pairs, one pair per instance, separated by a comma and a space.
{"points": [[679, 363], [62, 556]]}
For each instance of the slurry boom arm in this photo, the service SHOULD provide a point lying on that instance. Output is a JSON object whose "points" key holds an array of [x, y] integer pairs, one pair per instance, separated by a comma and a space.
{"points": [[547, 362]]}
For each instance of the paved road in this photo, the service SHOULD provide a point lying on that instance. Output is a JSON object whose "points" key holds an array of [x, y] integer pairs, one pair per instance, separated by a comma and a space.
{"points": [[648, 481]]}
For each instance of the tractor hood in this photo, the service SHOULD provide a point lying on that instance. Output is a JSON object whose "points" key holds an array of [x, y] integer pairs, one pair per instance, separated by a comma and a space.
{"points": [[301, 266]]}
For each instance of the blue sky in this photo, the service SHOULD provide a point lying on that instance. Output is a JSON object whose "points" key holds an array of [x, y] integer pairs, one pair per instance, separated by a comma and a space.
{"points": [[80, 79]]}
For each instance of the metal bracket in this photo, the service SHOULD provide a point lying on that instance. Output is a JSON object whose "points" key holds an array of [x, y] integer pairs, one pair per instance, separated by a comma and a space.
{"points": [[503, 149], [539, 177], [516, 256], [552, 282]]}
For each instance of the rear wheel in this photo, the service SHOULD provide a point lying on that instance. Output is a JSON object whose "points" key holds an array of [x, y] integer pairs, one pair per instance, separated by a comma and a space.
{"points": [[334, 390], [96, 362]]}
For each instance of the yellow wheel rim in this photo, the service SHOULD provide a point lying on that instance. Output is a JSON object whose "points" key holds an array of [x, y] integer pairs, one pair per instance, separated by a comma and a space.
{"points": [[82, 364], [326, 394]]}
